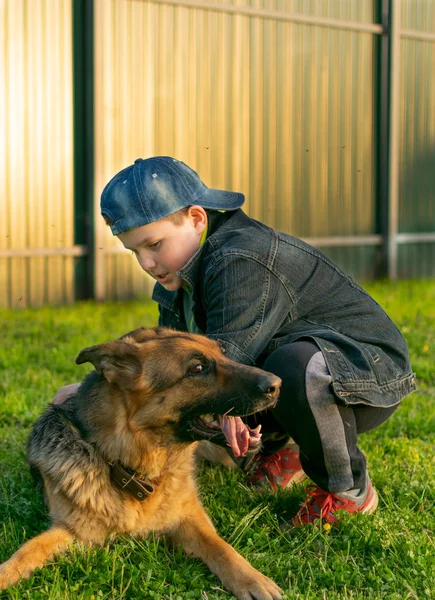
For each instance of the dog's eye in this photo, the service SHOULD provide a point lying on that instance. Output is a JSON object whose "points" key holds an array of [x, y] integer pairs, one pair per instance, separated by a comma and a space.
{"points": [[196, 368]]}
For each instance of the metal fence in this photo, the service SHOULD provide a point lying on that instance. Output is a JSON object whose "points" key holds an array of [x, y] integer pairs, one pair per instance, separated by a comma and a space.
{"points": [[321, 112]]}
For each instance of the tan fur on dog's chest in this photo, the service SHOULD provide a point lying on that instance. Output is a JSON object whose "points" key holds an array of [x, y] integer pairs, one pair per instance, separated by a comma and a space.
{"points": [[110, 511]]}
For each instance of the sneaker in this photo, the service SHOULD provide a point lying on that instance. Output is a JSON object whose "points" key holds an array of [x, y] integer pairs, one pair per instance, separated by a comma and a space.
{"points": [[279, 470], [323, 505]]}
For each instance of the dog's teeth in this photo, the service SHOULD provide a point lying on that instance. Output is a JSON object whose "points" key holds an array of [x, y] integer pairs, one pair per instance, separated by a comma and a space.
{"points": [[255, 437], [210, 421]]}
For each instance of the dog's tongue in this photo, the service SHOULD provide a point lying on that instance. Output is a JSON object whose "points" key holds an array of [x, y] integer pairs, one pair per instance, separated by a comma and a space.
{"points": [[238, 435]]}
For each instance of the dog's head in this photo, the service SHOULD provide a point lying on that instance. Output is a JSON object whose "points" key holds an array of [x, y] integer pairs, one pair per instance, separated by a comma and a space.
{"points": [[184, 385]]}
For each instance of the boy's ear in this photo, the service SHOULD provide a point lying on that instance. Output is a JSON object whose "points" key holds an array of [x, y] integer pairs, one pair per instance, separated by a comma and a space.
{"points": [[119, 362], [198, 216]]}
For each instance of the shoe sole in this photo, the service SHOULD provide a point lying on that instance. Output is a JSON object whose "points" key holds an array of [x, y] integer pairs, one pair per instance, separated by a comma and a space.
{"points": [[297, 478], [373, 504]]}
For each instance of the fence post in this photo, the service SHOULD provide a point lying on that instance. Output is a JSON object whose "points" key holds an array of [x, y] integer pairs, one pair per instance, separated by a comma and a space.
{"points": [[393, 159], [388, 150], [83, 100], [382, 136]]}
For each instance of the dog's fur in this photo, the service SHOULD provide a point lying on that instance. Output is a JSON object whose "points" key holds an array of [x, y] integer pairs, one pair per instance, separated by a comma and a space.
{"points": [[140, 407]]}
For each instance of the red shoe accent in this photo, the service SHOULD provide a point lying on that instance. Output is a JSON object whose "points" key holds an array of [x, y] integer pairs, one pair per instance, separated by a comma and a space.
{"points": [[323, 505], [281, 469]]}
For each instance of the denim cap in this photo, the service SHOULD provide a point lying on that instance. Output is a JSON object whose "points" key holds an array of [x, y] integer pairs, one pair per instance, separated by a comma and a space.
{"points": [[156, 187]]}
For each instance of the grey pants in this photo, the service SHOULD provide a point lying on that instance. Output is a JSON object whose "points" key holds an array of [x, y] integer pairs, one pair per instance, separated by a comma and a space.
{"points": [[325, 429]]}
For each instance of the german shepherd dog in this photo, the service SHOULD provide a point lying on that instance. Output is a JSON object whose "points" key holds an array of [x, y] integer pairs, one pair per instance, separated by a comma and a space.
{"points": [[118, 457]]}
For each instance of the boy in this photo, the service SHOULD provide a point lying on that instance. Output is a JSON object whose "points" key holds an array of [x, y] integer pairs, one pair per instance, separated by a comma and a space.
{"points": [[275, 302]]}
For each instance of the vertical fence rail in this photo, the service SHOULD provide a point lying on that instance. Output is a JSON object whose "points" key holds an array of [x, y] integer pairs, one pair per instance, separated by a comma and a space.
{"points": [[382, 135], [393, 166], [84, 136]]}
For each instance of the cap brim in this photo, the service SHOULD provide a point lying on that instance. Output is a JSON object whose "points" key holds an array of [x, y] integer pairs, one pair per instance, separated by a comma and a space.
{"points": [[220, 200]]}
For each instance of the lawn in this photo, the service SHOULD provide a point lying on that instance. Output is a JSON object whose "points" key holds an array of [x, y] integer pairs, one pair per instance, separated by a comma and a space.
{"points": [[388, 555]]}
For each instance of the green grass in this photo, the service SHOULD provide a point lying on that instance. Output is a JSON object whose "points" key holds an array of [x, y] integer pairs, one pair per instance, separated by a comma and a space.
{"points": [[388, 555]]}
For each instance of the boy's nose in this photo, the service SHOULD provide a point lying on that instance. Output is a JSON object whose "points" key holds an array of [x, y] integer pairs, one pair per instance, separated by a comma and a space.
{"points": [[146, 262]]}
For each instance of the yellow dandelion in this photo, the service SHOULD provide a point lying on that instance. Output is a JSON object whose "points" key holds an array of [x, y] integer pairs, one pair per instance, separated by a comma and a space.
{"points": [[326, 526], [425, 348]]}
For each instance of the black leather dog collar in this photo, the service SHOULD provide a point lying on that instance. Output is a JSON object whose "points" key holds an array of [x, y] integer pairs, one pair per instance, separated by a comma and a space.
{"points": [[130, 481]]}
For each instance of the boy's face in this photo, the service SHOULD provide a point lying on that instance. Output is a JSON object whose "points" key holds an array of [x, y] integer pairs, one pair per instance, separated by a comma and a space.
{"points": [[163, 248]]}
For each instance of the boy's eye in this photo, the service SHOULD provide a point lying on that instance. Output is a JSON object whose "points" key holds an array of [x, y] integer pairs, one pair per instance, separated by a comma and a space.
{"points": [[154, 245]]}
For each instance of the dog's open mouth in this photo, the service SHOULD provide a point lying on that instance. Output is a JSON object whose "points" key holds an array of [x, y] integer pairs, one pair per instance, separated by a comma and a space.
{"points": [[239, 436]]}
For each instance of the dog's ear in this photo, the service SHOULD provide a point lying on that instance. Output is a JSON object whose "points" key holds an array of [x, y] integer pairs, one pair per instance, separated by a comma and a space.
{"points": [[144, 334], [119, 362]]}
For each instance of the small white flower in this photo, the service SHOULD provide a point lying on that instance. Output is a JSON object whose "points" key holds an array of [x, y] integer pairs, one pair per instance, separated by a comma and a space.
{"points": [[154, 175]]}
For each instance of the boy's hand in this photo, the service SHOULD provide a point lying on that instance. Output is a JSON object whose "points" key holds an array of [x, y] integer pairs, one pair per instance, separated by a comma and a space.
{"points": [[65, 392]]}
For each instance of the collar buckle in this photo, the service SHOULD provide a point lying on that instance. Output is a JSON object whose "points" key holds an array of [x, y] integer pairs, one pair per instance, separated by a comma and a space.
{"points": [[129, 481]]}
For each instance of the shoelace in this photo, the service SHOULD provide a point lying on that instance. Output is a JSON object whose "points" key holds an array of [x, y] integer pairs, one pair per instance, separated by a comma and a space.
{"points": [[268, 462], [326, 501]]}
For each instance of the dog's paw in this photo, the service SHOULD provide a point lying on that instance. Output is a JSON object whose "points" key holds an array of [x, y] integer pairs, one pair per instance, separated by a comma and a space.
{"points": [[8, 576], [255, 586]]}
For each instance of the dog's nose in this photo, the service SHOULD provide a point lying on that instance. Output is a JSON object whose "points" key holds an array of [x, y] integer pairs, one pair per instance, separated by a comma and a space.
{"points": [[270, 385]]}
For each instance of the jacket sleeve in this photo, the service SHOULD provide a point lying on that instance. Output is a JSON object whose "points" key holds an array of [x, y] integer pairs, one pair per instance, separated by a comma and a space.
{"points": [[246, 305]]}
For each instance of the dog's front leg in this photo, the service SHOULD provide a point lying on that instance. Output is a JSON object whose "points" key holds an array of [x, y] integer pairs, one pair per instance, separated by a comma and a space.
{"points": [[34, 553], [199, 538]]}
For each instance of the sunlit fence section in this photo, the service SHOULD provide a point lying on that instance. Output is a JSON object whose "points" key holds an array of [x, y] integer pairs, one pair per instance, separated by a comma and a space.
{"points": [[37, 250], [416, 139], [255, 99], [321, 113]]}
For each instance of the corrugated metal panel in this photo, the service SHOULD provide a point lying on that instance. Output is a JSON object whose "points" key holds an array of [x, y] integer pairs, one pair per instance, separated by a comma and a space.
{"points": [[419, 16], [417, 138], [352, 10], [36, 191], [416, 261], [281, 111], [361, 261]]}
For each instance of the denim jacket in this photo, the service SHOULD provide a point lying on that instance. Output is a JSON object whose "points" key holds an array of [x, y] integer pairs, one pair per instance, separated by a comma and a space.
{"points": [[255, 289]]}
